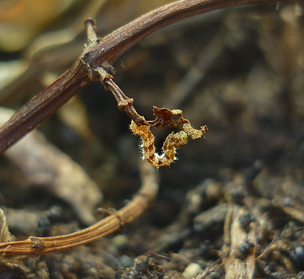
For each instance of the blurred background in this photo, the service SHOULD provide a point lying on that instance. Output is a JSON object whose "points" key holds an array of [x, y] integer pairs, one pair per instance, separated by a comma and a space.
{"points": [[240, 71]]}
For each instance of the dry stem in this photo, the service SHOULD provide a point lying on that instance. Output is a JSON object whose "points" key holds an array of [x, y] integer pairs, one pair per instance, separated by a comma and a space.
{"points": [[35, 246]]}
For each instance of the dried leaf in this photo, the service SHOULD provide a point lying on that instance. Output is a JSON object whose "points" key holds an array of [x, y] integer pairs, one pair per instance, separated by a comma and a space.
{"points": [[5, 235]]}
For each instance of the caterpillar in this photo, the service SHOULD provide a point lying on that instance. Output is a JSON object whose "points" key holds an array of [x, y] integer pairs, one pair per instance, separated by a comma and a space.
{"points": [[172, 141]]}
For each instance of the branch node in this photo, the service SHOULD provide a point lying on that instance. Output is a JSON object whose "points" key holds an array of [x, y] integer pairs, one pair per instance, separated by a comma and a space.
{"points": [[38, 245], [104, 76], [112, 211], [109, 68]]}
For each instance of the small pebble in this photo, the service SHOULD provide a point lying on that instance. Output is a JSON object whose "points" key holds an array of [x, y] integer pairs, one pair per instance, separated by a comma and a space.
{"points": [[120, 241], [192, 270]]}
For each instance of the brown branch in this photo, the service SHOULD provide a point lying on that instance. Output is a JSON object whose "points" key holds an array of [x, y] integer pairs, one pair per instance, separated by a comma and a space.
{"points": [[35, 246], [109, 48], [44, 105]]}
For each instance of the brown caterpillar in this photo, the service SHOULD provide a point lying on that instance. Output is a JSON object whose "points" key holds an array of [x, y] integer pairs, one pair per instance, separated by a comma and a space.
{"points": [[172, 141]]}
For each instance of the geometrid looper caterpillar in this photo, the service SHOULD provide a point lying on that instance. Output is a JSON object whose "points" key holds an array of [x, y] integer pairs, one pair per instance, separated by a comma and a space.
{"points": [[172, 141]]}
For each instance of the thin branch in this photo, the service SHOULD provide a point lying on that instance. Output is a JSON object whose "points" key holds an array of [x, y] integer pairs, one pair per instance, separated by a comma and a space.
{"points": [[44, 105], [109, 48]]}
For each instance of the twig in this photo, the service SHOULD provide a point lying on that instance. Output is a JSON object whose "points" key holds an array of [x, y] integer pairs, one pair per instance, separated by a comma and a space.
{"points": [[241, 263], [197, 72], [35, 246], [109, 48]]}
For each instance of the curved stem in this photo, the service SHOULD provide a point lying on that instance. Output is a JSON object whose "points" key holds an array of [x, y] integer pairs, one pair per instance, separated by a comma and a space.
{"points": [[35, 246]]}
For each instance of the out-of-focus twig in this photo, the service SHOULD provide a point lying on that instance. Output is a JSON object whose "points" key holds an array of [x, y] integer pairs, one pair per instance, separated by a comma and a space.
{"points": [[35, 246], [197, 72], [241, 262]]}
